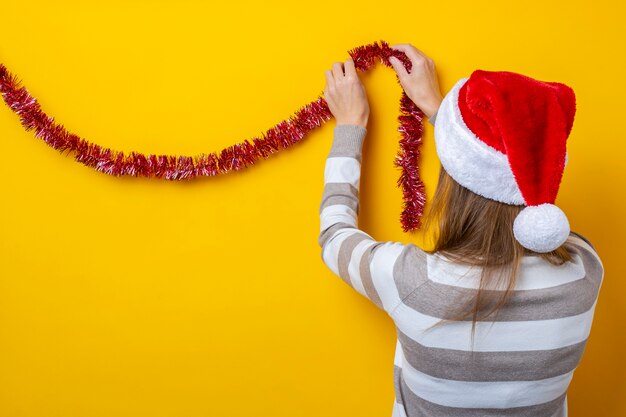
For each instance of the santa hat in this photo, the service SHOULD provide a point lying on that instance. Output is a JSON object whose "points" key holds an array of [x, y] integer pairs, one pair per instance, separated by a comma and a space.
{"points": [[502, 135]]}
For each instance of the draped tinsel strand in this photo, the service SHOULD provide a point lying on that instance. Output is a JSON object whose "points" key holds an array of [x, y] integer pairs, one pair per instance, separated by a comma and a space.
{"points": [[240, 155]]}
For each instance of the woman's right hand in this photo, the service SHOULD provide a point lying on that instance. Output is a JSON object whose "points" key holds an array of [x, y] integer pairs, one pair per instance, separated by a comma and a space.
{"points": [[421, 84]]}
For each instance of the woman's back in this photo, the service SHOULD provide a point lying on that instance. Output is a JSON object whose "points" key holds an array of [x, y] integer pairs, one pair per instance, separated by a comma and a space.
{"points": [[501, 140], [522, 360]]}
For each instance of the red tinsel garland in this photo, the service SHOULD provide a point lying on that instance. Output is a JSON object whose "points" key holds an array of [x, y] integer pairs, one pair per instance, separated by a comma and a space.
{"points": [[239, 155]]}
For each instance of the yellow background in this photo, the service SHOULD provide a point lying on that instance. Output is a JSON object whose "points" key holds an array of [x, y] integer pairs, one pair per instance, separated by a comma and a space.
{"points": [[136, 297]]}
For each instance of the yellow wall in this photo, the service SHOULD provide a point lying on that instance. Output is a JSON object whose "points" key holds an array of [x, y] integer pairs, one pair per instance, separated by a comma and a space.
{"points": [[135, 297]]}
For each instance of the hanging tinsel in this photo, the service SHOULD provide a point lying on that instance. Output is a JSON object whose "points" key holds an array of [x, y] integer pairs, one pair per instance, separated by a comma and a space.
{"points": [[239, 155]]}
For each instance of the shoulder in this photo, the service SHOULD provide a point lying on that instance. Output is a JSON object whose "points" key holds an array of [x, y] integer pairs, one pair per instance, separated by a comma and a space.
{"points": [[578, 236], [410, 269], [578, 244]]}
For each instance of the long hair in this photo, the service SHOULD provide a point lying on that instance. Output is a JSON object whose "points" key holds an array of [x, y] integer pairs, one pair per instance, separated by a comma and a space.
{"points": [[476, 231]]}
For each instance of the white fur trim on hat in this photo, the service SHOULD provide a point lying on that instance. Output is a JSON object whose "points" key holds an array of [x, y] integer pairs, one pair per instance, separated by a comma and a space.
{"points": [[541, 228], [470, 161]]}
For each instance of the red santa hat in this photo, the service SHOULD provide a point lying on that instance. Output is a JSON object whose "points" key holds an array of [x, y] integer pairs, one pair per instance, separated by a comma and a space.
{"points": [[502, 135]]}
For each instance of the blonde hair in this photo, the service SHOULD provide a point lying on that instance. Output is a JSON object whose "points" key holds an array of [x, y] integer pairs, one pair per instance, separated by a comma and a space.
{"points": [[476, 231]]}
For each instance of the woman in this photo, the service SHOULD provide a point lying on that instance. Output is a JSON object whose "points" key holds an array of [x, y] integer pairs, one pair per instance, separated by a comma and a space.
{"points": [[494, 320]]}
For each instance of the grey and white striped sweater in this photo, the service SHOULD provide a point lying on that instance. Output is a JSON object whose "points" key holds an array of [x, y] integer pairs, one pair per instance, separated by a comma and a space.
{"points": [[522, 363]]}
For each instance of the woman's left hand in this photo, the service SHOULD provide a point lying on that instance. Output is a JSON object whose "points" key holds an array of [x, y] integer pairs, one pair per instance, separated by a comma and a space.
{"points": [[345, 95]]}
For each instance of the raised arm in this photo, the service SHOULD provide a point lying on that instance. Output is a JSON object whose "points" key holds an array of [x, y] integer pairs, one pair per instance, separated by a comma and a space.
{"points": [[361, 261]]}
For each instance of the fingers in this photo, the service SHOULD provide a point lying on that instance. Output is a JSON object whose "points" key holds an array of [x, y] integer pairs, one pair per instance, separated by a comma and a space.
{"points": [[337, 73], [349, 67], [414, 54], [398, 66], [329, 88], [330, 81], [337, 70], [410, 51]]}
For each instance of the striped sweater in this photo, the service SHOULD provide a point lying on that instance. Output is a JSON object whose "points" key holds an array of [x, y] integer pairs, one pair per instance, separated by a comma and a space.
{"points": [[522, 363]]}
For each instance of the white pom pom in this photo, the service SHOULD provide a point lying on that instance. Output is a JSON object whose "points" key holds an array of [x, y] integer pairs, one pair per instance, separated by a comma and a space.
{"points": [[541, 228]]}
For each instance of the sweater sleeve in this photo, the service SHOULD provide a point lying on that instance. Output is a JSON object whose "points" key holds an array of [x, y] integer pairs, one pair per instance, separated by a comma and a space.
{"points": [[432, 118], [362, 262]]}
